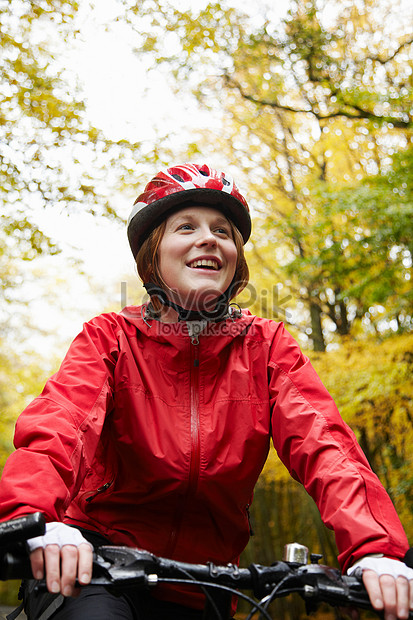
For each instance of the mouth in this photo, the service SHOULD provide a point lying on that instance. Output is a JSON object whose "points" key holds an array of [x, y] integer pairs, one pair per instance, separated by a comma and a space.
{"points": [[205, 263]]}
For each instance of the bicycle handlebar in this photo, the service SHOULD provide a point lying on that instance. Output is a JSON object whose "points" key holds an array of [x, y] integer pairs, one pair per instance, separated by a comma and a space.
{"points": [[119, 568], [122, 567]]}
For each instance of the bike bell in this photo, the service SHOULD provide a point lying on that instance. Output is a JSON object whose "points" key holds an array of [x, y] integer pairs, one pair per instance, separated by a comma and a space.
{"points": [[294, 552]]}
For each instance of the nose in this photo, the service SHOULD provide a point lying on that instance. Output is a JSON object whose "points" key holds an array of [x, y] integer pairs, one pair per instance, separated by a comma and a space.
{"points": [[206, 237]]}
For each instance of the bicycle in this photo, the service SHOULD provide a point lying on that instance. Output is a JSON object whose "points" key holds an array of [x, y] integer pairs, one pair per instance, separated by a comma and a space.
{"points": [[120, 568]]}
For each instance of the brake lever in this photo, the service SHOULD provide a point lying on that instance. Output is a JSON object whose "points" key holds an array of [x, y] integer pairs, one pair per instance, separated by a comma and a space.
{"points": [[122, 567], [327, 584]]}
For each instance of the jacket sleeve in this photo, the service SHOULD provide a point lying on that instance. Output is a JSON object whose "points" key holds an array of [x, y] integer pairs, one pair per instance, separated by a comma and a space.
{"points": [[320, 451], [57, 434]]}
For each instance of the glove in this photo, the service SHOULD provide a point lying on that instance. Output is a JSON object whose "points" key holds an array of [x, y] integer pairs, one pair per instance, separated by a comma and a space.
{"points": [[381, 566], [58, 534]]}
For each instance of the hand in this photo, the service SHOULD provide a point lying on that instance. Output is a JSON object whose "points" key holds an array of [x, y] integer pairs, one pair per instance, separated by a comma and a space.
{"points": [[64, 555], [389, 584], [393, 595]]}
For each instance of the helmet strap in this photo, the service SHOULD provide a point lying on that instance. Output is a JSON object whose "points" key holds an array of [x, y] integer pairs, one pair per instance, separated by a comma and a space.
{"points": [[218, 314]]}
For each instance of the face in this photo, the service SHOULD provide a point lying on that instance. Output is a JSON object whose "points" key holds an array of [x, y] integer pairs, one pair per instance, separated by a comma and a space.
{"points": [[197, 256]]}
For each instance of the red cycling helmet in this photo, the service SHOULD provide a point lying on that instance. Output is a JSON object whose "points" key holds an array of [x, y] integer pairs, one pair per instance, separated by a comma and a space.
{"points": [[187, 183]]}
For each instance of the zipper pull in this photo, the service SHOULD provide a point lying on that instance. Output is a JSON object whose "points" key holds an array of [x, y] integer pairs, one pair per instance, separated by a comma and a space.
{"points": [[99, 491], [194, 329]]}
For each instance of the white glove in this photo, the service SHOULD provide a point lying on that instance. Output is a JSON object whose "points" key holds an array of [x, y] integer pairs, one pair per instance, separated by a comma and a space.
{"points": [[381, 566], [58, 534]]}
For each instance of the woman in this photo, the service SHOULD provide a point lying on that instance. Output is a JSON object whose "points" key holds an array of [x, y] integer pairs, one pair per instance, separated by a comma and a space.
{"points": [[157, 425]]}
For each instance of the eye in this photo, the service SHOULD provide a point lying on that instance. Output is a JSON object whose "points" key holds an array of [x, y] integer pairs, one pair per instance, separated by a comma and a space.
{"points": [[222, 230], [185, 227]]}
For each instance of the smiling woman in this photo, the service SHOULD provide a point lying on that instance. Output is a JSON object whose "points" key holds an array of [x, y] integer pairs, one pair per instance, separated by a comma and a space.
{"points": [[191, 213], [153, 435]]}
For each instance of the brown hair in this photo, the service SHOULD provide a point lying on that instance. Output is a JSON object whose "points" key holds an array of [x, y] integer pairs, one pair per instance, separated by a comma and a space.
{"points": [[147, 261]]}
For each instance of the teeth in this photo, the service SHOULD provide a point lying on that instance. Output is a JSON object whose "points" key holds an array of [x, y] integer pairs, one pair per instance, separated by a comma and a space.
{"points": [[205, 263]]}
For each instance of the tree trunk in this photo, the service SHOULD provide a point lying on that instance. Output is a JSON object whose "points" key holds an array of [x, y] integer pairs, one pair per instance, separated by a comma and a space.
{"points": [[316, 328]]}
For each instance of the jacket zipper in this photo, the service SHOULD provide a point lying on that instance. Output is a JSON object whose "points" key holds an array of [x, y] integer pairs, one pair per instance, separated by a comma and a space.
{"points": [[98, 491], [195, 446], [195, 442]]}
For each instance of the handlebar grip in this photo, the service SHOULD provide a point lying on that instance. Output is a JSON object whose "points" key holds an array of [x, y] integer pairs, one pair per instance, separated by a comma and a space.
{"points": [[15, 563], [22, 528]]}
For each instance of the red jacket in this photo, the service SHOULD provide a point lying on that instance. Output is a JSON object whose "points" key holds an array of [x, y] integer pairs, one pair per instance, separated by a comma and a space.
{"points": [[157, 442]]}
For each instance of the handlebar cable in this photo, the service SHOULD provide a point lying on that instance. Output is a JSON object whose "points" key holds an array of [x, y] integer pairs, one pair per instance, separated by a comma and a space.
{"points": [[265, 602], [219, 586], [205, 591]]}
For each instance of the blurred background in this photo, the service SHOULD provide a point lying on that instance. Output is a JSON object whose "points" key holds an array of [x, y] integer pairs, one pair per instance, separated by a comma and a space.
{"points": [[309, 105]]}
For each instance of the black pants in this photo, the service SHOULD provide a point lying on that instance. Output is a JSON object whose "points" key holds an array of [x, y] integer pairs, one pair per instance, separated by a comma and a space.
{"points": [[96, 603]]}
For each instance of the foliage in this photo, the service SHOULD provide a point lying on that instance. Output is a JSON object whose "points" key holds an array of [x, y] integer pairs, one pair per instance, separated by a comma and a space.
{"points": [[305, 107], [51, 155], [343, 66], [372, 386], [371, 252], [44, 126], [310, 105], [21, 379]]}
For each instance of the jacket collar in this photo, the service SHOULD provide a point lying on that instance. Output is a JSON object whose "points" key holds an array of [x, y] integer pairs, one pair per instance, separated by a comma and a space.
{"points": [[224, 330]]}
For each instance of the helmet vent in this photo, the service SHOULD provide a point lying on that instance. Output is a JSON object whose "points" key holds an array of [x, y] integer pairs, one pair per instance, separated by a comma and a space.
{"points": [[178, 178], [204, 173], [225, 182]]}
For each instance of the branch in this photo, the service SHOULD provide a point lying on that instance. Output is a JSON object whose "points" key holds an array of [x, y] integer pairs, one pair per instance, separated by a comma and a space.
{"points": [[359, 113], [384, 61]]}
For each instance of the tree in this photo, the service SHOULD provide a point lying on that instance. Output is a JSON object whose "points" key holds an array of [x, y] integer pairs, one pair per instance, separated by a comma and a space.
{"points": [[50, 151], [309, 105], [51, 155], [371, 384], [347, 70], [376, 263]]}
